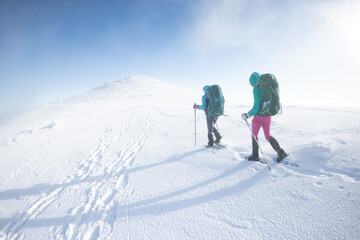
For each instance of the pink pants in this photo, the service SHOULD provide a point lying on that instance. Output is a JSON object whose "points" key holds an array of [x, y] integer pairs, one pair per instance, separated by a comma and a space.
{"points": [[264, 122]]}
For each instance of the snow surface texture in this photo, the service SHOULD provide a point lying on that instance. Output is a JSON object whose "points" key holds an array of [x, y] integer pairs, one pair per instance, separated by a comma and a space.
{"points": [[119, 162]]}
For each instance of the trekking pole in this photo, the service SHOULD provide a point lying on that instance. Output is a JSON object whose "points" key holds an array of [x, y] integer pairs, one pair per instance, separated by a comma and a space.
{"points": [[258, 145], [195, 122]]}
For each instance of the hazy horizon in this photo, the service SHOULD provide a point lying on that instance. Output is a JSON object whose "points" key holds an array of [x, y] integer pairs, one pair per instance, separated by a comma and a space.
{"points": [[56, 49]]}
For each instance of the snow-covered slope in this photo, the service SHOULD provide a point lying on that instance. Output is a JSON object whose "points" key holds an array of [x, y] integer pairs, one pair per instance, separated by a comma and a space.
{"points": [[119, 162]]}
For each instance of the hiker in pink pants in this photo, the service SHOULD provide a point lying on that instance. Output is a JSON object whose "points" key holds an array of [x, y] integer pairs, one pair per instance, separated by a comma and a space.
{"points": [[262, 119]]}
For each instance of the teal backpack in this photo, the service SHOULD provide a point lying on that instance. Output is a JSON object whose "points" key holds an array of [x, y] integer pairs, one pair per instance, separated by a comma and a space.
{"points": [[270, 104], [216, 101]]}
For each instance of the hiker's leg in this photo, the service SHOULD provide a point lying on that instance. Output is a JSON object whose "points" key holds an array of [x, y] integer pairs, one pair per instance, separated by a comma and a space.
{"points": [[216, 131], [256, 125], [266, 122], [276, 146], [210, 126]]}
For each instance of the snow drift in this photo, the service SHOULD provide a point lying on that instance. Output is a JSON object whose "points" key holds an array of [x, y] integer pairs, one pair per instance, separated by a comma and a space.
{"points": [[119, 162]]}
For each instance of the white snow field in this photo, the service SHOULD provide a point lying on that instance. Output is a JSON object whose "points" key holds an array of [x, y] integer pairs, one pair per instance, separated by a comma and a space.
{"points": [[119, 162]]}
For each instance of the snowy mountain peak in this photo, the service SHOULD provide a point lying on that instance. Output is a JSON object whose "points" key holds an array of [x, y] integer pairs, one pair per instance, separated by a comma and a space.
{"points": [[127, 82], [138, 83], [137, 87]]}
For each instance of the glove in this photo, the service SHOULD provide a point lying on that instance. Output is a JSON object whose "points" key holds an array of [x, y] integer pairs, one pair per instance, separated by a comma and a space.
{"points": [[244, 116], [195, 106]]}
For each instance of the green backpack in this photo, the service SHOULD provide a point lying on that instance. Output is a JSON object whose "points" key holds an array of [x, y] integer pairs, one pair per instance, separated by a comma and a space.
{"points": [[216, 101], [270, 104]]}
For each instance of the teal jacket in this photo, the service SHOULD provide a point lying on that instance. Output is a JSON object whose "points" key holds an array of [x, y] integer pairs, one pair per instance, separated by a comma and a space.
{"points": [[204, 100], [254, 80]]}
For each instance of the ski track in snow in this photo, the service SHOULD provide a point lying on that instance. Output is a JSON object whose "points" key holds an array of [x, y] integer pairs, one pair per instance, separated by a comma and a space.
{"points": [[25, 163], [103, 182]]}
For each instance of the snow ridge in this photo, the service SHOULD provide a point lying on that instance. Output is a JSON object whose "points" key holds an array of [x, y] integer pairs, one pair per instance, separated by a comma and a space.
{"points": [[120, 163], [134, 87], [133, 82]]}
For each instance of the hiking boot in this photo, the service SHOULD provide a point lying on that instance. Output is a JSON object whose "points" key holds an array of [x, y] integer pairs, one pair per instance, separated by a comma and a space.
{"points": [[253, 158], [280, 152], [255, 147], [218, 137], [255, 151], [211, 140], [281, 155]]}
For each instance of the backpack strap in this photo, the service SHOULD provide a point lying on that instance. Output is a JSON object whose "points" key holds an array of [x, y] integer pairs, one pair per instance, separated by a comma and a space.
{"points": [[207, 104]]}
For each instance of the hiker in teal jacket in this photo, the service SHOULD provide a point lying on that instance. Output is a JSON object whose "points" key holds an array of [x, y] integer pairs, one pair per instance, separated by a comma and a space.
{"points": [[210, 121], [260, 121]]}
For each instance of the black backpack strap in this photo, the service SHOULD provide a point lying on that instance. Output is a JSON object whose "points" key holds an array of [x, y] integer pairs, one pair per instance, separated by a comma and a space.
{"points": [[207, 104]]}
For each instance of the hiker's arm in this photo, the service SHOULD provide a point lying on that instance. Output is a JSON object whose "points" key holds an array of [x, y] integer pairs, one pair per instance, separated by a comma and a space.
{"points": [[203, 105], [257, 101]]}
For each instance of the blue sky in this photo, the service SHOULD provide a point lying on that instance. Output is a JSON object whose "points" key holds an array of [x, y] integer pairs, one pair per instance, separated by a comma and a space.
{"points": [[54, 49]]}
